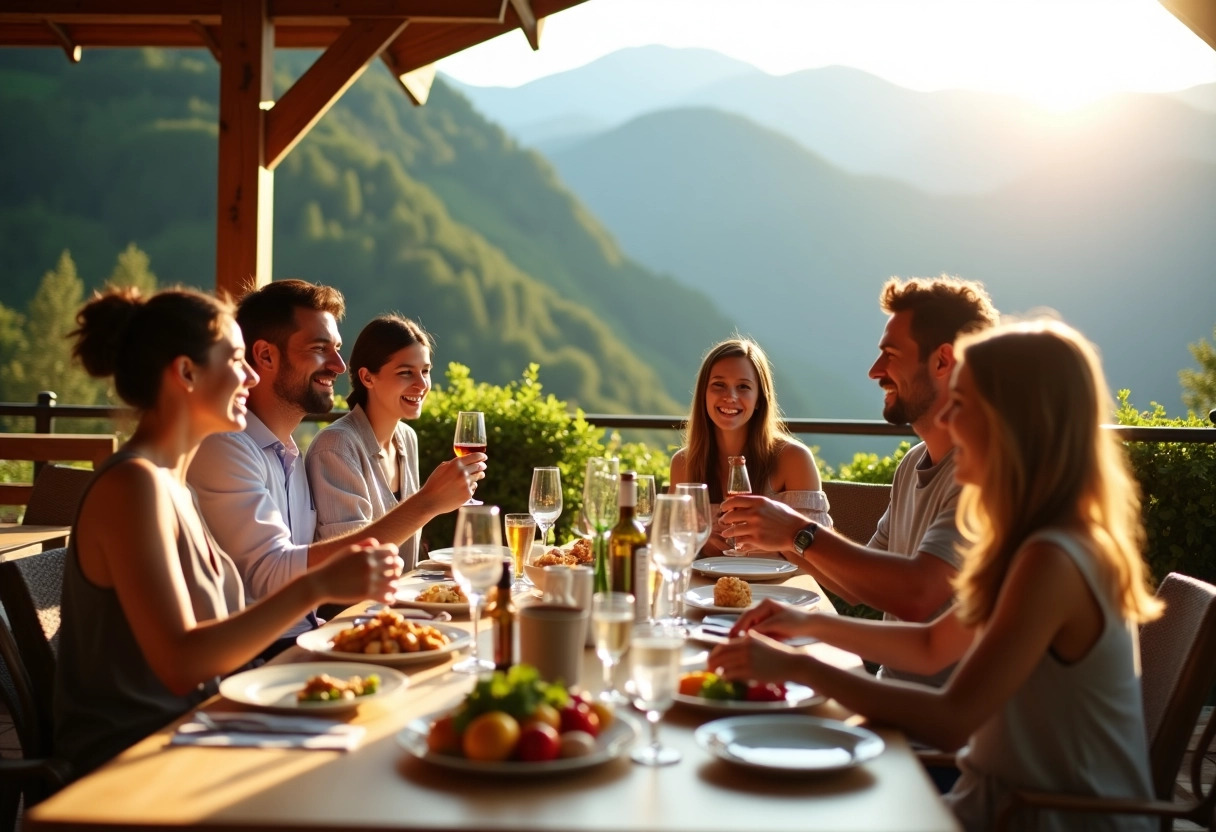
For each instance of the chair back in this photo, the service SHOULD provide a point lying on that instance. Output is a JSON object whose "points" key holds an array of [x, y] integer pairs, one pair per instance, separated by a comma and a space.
{"points": [[1177, 672], [31, 590], [57, 492], [856, 507]]}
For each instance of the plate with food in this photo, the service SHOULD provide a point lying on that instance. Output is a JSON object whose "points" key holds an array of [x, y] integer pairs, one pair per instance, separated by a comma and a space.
{"points": [[574, 553], [445, 555], [514, 724], [710, 692], [432, 596], [789, 743], [387, 638], [750, 569], [315, 687], [734, 594]]}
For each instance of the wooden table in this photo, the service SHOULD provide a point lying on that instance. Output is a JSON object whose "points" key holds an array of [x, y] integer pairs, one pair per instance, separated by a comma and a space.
{"points": [[381, 787], [17, 541]]}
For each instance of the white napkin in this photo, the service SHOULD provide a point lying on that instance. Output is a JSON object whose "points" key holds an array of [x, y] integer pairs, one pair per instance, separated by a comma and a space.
{"points": [[258, 730]]}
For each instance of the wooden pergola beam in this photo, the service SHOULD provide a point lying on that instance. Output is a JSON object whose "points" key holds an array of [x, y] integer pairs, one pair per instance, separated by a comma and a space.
{"points": [[205, 35], [529, 22], [416, 83], [311, 96], [181, 12], [1198, 15], [70, 47]]}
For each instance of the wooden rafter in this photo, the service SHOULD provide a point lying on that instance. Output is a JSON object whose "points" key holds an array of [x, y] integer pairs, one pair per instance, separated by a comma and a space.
{"points": [[317, 89], [208, 39], [70, 47], [528, 21], [1198, 15], [280, 11], [416, 83]]}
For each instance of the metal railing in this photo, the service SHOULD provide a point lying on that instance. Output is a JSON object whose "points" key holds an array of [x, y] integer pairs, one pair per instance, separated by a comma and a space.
{"points": [[46, 410]]}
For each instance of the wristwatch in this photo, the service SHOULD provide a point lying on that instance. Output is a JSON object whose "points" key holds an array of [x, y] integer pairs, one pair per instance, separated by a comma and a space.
{"points": [[805, 537]]}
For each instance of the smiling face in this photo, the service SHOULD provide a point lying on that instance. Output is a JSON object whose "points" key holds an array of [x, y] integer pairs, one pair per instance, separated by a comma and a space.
{"points": [[732, 392], [902, 374], [965, 417], [399, 388], [310, 362], [223, 384]]}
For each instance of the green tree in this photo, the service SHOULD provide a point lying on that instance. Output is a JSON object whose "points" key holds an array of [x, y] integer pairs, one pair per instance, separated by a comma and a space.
{"points": [[1199, 386], [132, 270]]}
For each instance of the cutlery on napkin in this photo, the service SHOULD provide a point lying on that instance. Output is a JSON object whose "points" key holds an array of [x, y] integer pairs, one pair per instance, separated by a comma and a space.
{"points": [[256, 730]]}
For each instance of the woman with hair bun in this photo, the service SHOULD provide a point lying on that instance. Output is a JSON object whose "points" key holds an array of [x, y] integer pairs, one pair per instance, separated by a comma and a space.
{"points": [[366, 462], [153, 611], [1047, 694]]}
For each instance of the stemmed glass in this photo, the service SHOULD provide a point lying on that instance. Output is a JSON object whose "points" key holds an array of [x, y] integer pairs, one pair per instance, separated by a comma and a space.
{"points": [[644, 510], [521, 534], [699, 492], [477, 566], [655, 658], [612, 618], [470, 437], [672, 535], [545, 500], [601, 492], [737, 482]]}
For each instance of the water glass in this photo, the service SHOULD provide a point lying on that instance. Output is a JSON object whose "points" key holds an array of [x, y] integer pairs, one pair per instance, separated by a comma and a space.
{"points": [[673, 534], [644, 509], [477, 565], [545, 500], [612, 618], [699, 492], [655, 660]]}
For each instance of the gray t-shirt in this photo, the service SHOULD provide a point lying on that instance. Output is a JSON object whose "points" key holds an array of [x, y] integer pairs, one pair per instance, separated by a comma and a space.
{"points": [[921, 518]]}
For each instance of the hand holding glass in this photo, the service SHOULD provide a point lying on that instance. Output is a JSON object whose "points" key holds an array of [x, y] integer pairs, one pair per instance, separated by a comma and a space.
{"points": [[477, 557], [737, 483], [612, 618]]}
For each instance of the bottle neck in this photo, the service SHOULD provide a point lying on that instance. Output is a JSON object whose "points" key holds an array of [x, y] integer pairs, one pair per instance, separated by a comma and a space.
{"points": [[628, 495]]}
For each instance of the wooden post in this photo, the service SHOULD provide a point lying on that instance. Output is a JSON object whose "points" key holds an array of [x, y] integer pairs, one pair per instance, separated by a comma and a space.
{"points": [[246, 187]]}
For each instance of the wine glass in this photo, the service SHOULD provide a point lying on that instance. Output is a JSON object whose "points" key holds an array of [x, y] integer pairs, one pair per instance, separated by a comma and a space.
{"points": [[737, 482], [699, 492], [655, 659], [601, 493], [470, 438], [672, 535], [545, 500], [477, 566], [612, 618], [644, 510], [521, 534]]}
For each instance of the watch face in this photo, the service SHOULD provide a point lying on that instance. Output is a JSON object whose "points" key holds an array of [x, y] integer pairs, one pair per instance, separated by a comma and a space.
{"points": [[803, 539]]}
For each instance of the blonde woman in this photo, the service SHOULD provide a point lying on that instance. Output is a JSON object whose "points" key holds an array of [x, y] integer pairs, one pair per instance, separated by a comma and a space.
{"points": [[1047, 694], [734, 412]]}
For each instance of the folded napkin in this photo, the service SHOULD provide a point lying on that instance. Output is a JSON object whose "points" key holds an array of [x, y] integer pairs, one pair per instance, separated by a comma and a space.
{"points": [[257, 730]]}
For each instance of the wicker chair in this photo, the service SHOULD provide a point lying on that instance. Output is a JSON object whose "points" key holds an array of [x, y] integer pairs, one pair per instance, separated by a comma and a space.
{"points": [[1178, 670], [856, 507], [31, 589], [56, 495]]}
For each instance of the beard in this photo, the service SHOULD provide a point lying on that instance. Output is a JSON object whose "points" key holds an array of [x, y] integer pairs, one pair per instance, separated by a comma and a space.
{"points": [[906, 410], [301, 393]]}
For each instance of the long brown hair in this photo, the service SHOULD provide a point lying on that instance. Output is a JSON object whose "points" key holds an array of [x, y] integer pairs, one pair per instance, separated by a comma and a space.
{"points": [[766, 432], [1050, 463]]}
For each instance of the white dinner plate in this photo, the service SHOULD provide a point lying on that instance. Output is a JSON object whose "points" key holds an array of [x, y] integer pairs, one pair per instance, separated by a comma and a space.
{"points": [[445, 555], [609, 745], [796, 696], [407, 596], [789, 743], [702, 597], [321, 642], [749, 569], [273, 687]]}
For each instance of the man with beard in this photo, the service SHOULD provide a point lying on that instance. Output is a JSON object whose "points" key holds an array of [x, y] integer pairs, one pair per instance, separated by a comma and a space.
{"points": [[252, 488], [906, 569]]}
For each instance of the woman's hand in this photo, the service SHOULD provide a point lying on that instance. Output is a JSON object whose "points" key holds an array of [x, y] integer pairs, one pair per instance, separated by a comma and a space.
{"points": [[774, 619], [453, 481], [363, 570], [754, 658]]}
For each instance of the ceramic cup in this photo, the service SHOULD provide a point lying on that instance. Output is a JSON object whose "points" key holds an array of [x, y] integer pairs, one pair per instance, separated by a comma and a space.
{"points": [[552, 639]]}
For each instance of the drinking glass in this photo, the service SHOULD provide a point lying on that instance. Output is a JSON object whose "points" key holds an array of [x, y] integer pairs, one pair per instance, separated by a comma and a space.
{"points": [[673, 534], [699, 492], [470, 437], [655, 659], [737, 482], [521, 534], [545, 500], [612, 618], [477, 566], [601, 493], [644, 510]]}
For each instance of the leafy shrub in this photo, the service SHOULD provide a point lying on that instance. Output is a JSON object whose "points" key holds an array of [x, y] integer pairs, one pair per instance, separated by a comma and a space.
{"points": [[1178, 487], [525, 429], [868, 467]]}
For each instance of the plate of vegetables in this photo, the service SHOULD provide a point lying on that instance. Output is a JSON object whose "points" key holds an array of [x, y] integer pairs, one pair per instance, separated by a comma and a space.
{"points": [[709, 691], [312, 686]]}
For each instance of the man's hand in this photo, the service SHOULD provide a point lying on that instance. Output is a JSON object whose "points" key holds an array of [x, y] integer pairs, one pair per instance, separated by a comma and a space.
{"points": [[453, 482], [760, 524], [362, 570]]}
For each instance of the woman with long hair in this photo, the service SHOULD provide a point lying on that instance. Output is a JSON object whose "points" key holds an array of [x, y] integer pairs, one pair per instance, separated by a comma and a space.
{"points": [[153, 610], [735, 413], [1050, 596], [366, 462]]}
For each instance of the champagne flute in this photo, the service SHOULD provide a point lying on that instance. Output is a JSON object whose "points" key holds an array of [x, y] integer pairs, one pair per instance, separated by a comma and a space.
{"points": [[470, 438], [612, 618], [737, 482], [672, 535], [521, 534], [655, 659], [644, 510], [601, 490], [545, 500], [477, 566]]}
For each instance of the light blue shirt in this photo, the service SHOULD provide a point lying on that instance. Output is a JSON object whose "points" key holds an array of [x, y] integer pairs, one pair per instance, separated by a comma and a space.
{"points": [[253, 493]]}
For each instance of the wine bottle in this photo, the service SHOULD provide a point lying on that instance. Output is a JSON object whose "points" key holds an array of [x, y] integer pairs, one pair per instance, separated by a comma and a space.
{"points": [[626, 537], [502, 616]]}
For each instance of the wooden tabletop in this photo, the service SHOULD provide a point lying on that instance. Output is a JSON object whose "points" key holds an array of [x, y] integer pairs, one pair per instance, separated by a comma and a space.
{"points": [[17, 541], [382, 787]]}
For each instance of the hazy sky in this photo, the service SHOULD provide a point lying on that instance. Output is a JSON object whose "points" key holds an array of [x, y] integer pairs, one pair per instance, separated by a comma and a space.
{"points": [[1058, 52]]}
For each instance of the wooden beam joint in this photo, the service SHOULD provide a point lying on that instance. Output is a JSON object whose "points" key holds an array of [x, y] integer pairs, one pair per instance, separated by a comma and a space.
{"points": [[208, 39], [70, 47], [528, 21]]}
